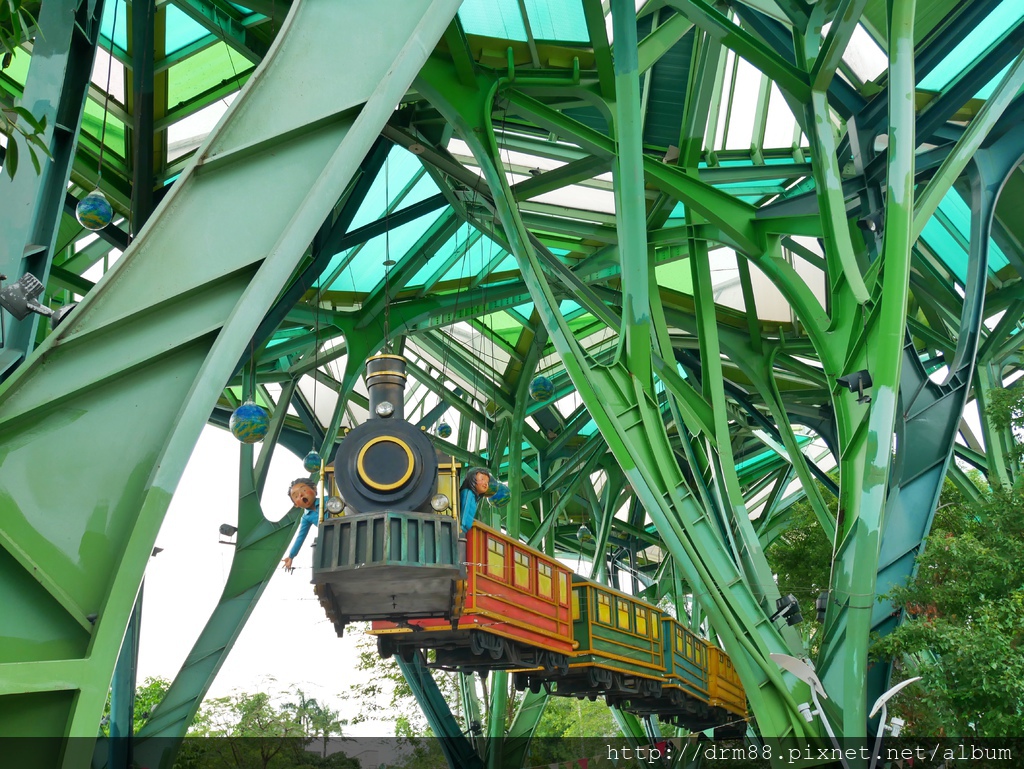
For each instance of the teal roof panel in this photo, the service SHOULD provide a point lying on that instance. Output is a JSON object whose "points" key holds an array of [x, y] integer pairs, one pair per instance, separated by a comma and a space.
{"points": [[493, 18], [974, 44], [561, 20]]}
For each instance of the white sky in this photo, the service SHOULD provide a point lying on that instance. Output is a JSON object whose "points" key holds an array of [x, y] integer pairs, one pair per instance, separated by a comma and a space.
{"points": [[287, 637]]}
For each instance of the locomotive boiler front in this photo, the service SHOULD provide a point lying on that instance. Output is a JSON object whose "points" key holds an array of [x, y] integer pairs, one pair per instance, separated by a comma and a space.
{"points": [[391, 556], [386, 463]]}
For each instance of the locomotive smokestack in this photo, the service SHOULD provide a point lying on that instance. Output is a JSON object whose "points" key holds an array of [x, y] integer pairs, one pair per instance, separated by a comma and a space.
{"points": [[385, 383]]}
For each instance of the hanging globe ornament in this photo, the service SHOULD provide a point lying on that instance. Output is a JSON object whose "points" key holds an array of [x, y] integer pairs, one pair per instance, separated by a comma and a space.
{"points": [[312, 462], [584, 534], [541, 389], [249, 422], [444, 430], [94, 211], [501, 496]]}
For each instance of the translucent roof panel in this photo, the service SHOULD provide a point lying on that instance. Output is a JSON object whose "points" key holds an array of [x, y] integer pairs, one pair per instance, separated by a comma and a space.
{"points": [[182, 30], [400, 168], [194, 75], [119, 35], [493, 18], [948, 234], [974, 45], [864, 56], [557, 20], [365, 267]]}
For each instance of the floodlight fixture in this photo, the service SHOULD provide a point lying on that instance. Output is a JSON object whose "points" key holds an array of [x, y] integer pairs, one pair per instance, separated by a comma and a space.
{"points": [[20, 298]]}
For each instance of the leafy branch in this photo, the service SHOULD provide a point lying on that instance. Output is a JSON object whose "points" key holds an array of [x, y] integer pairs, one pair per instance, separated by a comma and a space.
{"points": [[16, 123]]}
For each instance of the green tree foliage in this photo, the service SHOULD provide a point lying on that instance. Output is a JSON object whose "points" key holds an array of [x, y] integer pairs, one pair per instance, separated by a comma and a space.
{"points": [[964, 633], [568, 717], [147, 697], [801, 559], [257, 730], [1005, 411], [388, 696], [17, 123], [801, 556]]}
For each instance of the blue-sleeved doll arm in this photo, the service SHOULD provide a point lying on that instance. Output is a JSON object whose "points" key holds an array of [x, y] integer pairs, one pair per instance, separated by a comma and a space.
{"points": [[310, 517]]}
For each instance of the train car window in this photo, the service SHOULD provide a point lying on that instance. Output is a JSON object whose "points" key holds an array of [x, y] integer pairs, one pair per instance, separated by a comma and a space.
{"points": [[544, 580], [563, 588], [679, 642], [521, 575], [641, 621], [604, 608], [576, 603], [495, 557], [655, 624], [622, 610]]}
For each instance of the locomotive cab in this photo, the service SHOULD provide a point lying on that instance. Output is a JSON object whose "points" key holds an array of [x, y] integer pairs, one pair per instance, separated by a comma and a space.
{"points": [[397, 554]]}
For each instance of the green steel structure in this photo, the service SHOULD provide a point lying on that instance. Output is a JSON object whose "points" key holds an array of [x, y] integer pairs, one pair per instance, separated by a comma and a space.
{"points": [[765, 249]]}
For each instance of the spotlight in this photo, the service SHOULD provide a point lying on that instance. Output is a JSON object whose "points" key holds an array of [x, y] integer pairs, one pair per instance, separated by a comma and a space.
{"points": [[227, 530], [857, 382], [821, 606], [156, 551], [19, 298], [896, 726], [788, 607]]}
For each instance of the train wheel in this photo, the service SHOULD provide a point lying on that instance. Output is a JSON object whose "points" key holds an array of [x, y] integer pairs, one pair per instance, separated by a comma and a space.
{"points": [[385, 647], [535, 686], [498, 651], [476, 644], [520, 681], [407, 653]]}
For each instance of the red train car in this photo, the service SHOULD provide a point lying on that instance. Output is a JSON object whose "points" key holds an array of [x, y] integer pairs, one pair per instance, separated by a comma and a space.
{"points": [[513, 610]]}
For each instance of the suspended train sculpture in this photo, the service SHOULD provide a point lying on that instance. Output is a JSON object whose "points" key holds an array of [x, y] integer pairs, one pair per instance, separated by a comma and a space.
{"points": [[486, 601]]}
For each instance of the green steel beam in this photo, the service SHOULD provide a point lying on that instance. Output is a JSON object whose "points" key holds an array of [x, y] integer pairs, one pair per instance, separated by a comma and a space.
{"points": [[55, 91], [630, 212], [162, 332], [456, 748], [866, 430], [633, 426]]}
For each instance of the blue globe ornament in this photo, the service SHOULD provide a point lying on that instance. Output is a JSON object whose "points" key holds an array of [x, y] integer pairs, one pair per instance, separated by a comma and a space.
{"points": [[541, 388], [444, 430], [500, 497], [93, 211], [249, 423], [312, 462]]}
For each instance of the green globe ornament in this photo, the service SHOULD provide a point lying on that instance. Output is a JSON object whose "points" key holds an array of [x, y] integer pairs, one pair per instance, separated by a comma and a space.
{"points": [[312, 462], [444, 430], [249, 423], [583, 534], [500, 497], [492, 486], [93, 211], [541, 389]]}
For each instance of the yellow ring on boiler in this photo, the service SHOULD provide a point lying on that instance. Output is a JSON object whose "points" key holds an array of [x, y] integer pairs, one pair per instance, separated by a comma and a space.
{"points": [[384, 486]]}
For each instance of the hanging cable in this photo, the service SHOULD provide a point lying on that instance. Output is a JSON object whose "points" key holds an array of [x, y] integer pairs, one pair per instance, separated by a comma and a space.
{"points": [[387, 255], [106, 100]]}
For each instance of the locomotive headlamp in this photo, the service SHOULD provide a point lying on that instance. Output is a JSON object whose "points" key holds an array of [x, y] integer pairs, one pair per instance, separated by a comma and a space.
{"points": [[440, 502], [335, 505], [385, 409]]}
